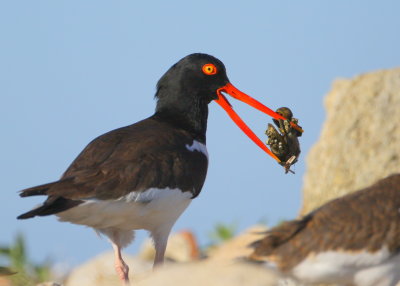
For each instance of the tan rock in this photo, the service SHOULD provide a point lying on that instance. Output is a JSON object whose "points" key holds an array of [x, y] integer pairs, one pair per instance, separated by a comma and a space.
{"points": [[211, 273], [4, 281], [238, 247], [221, 269], [181, 247], [360, 139], [100, 271]]}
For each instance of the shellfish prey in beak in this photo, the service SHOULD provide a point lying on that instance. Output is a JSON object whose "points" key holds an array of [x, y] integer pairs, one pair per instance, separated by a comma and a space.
{"points": [[237, 94]]}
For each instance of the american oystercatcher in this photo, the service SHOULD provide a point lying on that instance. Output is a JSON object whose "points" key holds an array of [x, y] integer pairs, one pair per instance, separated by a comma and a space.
{"points": [[143, 176], [352, 240]]}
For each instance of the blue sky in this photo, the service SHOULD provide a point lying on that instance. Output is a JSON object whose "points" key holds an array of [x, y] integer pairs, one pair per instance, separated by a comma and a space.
{"points": [[72, 70]]}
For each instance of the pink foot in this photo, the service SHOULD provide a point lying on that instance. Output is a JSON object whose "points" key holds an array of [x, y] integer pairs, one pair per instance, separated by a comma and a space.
{"points": [[122, 271]]}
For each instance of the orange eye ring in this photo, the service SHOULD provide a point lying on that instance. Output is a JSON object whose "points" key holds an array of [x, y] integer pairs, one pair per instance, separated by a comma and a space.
{"points": [[209, 69]]}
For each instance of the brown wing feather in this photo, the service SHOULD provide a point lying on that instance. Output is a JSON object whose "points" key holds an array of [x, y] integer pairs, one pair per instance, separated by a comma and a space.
{"points": [[132, 158], [136, 163]]}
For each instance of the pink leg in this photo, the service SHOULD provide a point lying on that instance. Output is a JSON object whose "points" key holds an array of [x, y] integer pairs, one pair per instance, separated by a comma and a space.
{"points": [[120, 266]]}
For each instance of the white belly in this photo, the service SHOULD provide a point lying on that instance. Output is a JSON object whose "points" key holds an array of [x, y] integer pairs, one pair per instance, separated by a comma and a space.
{"points": [[358, 268], [149, 210]]}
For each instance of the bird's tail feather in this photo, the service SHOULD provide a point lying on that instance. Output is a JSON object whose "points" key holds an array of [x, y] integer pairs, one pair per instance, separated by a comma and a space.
{"points": [[37, 190], [51, 206]]}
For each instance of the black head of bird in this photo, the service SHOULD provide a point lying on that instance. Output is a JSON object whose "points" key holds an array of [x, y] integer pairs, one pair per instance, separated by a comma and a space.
{"points": [[185, 90]]}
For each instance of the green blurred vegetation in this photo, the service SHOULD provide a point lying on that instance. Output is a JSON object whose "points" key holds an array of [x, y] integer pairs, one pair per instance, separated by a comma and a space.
{"points": [[27, 272], [222, 232]]}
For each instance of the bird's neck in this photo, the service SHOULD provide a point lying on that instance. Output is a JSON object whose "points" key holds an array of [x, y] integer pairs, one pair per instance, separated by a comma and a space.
{"points": [[188, 113]]}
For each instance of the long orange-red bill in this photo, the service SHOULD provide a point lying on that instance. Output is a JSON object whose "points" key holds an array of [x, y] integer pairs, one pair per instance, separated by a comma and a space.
{"points": [[235, 93], [224, 103]]}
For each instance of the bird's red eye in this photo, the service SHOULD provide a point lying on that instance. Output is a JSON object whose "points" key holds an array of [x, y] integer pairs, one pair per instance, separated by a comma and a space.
{"points": [[209, 69]]}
